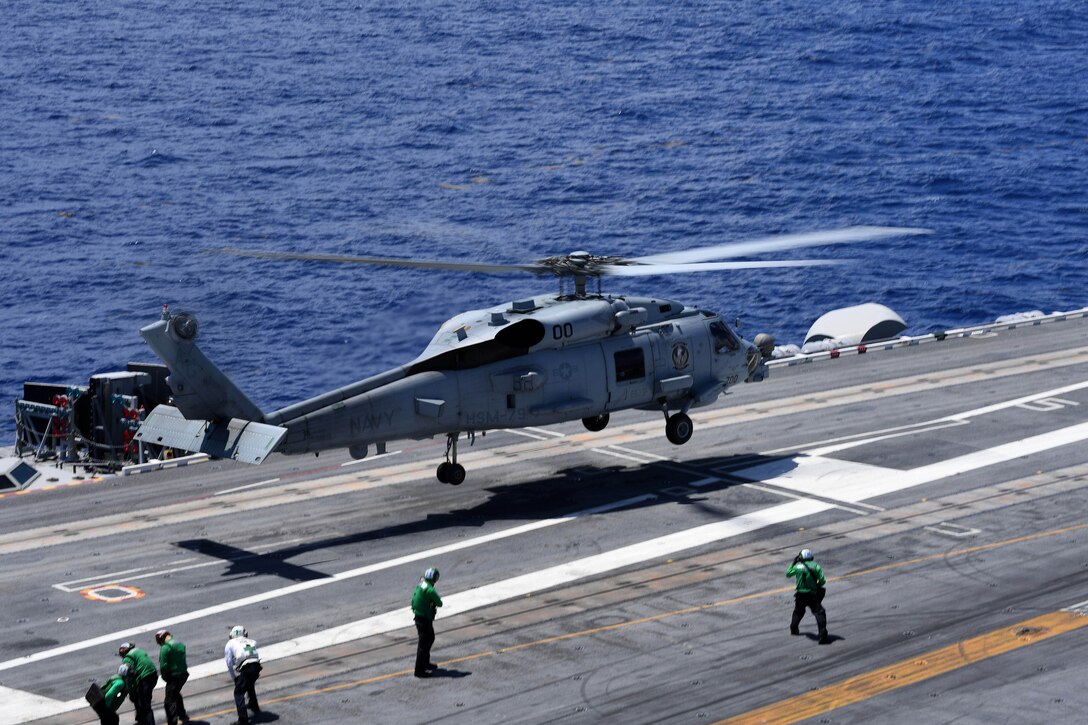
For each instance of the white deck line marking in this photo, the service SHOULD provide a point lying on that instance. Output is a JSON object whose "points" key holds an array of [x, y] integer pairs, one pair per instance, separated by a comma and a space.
{"points": [[117, 580], [950, 530], [243, 488], [935, 424], [27, 706], [303, 586], [854, 482], [63, 586], [545, 431], [787, 494], [705, 481], [115, 577], [640, 453], [617, 454], [368, 459], [1018, 401], [874, 439], [1047, 405], [519, 432], [1078, 608], [909, 428]]}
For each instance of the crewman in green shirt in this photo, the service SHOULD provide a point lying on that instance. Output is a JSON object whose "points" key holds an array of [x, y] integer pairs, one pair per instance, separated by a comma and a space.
{"points": [[106, 699], [140, 676], [174, 670], [425, 604], [810, 593]]}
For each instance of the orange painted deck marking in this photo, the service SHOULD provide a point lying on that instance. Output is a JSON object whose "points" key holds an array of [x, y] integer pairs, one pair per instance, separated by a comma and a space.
{"points": [[917, 669]]}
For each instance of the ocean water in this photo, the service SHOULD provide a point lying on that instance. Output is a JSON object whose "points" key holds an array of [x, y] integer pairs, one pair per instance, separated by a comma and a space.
{"points": [[138, 137]]}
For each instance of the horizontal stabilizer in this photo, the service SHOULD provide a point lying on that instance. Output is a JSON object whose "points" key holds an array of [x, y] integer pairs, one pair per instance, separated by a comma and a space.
{"points": [[241, 440]]}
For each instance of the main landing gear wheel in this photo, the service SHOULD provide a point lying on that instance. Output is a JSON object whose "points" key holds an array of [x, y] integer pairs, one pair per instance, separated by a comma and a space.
{"points": [[678, 429], [596, 422], [451, 473]]}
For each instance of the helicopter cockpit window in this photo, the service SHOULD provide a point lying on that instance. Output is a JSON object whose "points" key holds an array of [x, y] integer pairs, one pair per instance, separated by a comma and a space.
{"points": [[630, 365], [724, 340]]}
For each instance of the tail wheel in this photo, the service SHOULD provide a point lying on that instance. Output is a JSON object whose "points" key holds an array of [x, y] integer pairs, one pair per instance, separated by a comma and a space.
{"points": [[678, 429], [596, 422]]}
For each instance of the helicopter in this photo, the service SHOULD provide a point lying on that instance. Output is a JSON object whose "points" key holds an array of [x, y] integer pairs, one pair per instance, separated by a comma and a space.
{"points": [[535, 361]]}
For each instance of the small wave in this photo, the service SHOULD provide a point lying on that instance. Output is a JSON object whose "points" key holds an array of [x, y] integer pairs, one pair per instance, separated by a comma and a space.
{"points": [[156, 159]]}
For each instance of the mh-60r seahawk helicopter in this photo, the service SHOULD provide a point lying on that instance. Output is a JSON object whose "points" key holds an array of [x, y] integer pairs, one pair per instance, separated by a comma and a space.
{"points": [[535, 361]]}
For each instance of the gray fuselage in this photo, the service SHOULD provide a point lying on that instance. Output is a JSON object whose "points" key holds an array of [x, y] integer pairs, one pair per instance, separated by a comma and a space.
{"points": [[585, 363]]}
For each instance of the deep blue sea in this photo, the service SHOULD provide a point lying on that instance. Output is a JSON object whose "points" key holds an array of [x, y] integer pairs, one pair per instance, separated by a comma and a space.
{"points": [[135, 137]]}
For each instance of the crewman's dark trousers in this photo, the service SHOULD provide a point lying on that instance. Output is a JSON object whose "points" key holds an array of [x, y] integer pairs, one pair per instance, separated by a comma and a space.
{"points": [[145, 714], [425, 627], [172, 700], [812, 601], [106, 716], [244, 686]]}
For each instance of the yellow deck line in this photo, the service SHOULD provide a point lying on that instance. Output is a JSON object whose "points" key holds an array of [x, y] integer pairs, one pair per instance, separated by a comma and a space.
{"points": [[916, 669]]}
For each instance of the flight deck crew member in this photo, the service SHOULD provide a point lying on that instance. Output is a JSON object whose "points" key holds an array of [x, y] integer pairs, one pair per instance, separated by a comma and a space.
{"points": [[425, 604], [175, 671], [810, 593], [105, 700], [140, 676], [244, 666]]}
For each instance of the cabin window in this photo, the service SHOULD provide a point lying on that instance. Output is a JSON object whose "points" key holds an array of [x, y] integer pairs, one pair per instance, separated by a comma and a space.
{"points": [[630, 365], [724, 340]]}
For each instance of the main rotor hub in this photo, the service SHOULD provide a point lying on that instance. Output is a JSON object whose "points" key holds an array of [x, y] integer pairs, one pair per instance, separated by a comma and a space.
{"points": [[580, 264]]}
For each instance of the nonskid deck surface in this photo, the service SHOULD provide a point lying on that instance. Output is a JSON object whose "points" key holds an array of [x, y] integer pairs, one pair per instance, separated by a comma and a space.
{"points": [[591, 576]]}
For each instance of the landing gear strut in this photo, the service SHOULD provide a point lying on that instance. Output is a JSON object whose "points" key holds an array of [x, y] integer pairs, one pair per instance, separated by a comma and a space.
{"points": [[450, 471], [678, 427]]}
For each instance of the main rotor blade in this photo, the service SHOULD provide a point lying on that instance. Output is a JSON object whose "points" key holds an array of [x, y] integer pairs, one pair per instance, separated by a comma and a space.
{"points": [[647, 270], [390, 262], [776, 244]]}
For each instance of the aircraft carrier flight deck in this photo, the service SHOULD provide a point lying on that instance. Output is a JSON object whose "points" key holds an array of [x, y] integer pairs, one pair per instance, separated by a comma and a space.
{"points": [[611, 576]]}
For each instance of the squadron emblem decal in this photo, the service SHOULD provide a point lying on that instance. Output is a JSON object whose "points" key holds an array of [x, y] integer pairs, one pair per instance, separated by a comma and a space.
{"points": [[680, 356]]}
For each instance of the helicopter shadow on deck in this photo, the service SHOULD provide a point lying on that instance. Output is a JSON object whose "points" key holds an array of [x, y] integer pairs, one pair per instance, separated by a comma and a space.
{"points": [[569, 490]]}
